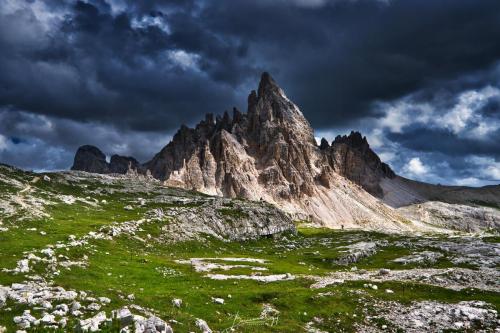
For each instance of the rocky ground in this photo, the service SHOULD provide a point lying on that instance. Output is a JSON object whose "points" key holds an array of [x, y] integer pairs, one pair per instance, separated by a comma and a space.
{"points": [[108, 253]]}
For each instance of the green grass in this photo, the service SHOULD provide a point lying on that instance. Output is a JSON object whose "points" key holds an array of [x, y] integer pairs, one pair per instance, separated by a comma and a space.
{"points": [[133, 269], [126, 265], [492, 239], [233, 213]]}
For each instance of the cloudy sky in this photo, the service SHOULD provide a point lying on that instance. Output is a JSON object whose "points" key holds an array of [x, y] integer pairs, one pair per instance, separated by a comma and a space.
{"points": [[421, 79]]}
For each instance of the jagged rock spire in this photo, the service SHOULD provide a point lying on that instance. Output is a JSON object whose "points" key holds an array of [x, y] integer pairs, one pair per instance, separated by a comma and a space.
{"points": [[324, 144], [354, 139], [267, 84]]}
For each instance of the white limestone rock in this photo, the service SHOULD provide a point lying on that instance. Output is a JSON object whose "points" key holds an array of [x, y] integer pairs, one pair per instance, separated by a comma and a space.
{"points": [[218, 300], [124, 316], [92, 324], [203, 326], [177, 302], [93, 307]]}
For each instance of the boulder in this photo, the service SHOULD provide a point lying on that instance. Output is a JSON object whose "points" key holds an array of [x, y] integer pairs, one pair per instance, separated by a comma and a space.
{"points": [[203, 326], [152, 325], [218, 300], [124, 316], [92, 324]]}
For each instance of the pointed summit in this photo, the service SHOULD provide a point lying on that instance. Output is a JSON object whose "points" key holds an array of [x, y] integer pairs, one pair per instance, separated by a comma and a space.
{"points": [[269, 153], [267, 84], [271, 112], [265, 78]]}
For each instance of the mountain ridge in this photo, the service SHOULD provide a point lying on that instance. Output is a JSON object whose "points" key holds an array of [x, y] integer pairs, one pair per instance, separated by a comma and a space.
{"points": [[270, 153]]}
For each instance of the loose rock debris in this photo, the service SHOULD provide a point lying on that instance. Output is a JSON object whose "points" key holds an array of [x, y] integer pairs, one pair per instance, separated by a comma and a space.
{"points": [[450, 278]]}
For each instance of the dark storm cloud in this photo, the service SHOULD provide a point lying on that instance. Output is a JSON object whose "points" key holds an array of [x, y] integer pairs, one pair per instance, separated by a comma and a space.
{"points": [[96, 66], [139, 69], [106, 61], [337, 59], [45, 143], [447, 143], [492, 108]]}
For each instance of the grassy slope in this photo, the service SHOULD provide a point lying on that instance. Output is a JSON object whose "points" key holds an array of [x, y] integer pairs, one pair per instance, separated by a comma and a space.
{"points": [[133, 270], [128, 266]]}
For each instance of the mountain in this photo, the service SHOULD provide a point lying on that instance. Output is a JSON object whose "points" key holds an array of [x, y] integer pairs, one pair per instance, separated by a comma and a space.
{"points": [[270, 153], [92, 159]]}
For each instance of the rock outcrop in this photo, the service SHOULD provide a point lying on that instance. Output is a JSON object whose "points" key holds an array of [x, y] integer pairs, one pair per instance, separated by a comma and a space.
{"points": [[352, 157], [92, 159], [270, 153], [122, 164], [228, 220]]}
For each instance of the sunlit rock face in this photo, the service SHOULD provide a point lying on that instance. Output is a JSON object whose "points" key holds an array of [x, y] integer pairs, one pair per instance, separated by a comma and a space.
{"points": [[270, 153]]}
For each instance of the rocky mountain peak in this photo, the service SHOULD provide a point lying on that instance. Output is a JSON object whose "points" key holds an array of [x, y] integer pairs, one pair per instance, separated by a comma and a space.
{"points": [[122, 164], [91, 159], [267, 85], [267, 153], [271, 114], [354, 139], [91, 151], [352, 157], [324, 144]]}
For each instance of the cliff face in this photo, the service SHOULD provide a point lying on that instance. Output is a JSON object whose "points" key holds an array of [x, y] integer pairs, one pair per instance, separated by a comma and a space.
{"points": [[92, 159], [270, 153], [351, 157]]}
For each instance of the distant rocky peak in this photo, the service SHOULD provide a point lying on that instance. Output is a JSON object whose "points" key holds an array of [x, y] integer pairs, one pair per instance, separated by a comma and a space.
{"points": [[92, 151], [324, 144], [122, 164], [91, 159], [237, 115], [354, 159], [224, 122], [209, 118], [354, 140]]}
